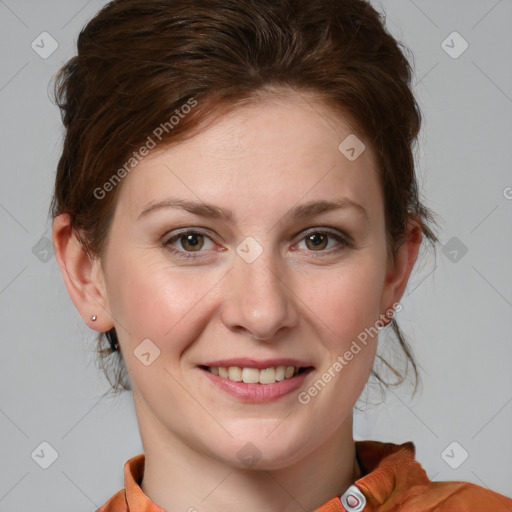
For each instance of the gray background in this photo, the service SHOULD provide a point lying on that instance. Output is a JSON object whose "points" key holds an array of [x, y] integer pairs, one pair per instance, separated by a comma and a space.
{"points": [[459, 316]]}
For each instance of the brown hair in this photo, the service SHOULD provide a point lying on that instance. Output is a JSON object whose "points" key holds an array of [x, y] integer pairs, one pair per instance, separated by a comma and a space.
{"points": [[139, 63]]}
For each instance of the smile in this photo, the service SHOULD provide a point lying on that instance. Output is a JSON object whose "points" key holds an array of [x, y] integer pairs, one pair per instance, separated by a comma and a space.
{"points": [[253, 381]]}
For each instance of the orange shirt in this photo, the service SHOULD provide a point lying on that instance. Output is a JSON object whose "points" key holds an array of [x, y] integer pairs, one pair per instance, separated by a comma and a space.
{"points": [[393, 481]]}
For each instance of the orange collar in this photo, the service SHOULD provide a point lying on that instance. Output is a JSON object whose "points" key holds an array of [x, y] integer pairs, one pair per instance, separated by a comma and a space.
{"points": [[393, 480]]}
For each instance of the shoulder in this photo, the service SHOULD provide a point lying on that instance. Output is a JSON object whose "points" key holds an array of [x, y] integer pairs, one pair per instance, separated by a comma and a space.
{"points": [[395, 481], [457, 497]]}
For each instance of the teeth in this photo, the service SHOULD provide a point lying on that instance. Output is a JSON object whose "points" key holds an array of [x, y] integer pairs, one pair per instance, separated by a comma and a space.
{"points": [[235, 373], [253, 375], [280, 373], [267, 376]]}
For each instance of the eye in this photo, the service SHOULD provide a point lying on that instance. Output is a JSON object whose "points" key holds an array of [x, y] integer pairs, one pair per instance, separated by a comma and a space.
{"points": [[318, 241], [190, 242]]}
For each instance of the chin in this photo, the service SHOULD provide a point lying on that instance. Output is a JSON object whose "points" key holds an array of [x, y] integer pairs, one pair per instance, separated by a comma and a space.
{"points": [[262, 448]]}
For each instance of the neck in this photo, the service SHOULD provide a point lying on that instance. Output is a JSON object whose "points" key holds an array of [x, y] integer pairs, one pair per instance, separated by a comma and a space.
{"points": [[179, 477]]}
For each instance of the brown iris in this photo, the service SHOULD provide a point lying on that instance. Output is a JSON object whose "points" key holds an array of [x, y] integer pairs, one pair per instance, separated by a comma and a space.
{"points": [[319, 240], [191, 240]]}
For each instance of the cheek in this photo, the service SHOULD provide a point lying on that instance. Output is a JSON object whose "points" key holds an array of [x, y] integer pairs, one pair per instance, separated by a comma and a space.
{"points": [[347, 300], [346, 309], [153, 299]]}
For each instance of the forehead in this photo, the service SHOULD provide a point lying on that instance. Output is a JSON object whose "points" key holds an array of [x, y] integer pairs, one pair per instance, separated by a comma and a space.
{"points": [[266, 154]]}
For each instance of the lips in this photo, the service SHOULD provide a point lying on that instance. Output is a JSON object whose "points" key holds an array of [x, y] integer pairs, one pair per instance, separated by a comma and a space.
{"points": [[261, 378]]}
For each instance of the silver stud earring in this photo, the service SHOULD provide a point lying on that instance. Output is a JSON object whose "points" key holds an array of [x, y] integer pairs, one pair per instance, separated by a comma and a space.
{"points": [[94, 318]]}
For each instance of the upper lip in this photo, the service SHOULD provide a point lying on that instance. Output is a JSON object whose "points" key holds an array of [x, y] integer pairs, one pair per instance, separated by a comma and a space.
{"points": [[260, 364]]}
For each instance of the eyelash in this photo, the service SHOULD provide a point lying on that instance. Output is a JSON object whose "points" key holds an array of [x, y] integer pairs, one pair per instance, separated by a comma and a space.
{"points": [[345, 242]]}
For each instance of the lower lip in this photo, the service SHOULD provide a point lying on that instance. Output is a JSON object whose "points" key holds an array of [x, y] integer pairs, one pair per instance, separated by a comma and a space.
{"points": [[257, 393]]}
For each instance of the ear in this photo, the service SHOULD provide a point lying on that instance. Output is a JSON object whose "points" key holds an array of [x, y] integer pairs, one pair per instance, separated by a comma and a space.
{"points": [[400, 267], [83, 275]]}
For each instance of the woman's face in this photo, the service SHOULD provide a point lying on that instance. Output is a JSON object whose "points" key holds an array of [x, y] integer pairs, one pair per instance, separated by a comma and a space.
{"points": [[275, 282]]}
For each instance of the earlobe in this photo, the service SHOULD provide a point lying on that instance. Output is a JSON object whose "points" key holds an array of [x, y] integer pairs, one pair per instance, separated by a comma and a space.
{"points": [[400, 267], [82, 275]]}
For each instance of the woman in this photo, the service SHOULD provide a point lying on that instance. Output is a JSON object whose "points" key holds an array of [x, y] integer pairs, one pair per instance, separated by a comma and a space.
{"points": [[236, 209]]}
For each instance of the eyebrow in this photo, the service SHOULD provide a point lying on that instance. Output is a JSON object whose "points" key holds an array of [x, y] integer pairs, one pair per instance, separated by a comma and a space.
{"points": [[298, 212]]}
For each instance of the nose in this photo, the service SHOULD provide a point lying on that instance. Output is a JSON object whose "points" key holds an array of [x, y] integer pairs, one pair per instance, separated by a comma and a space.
{"points": [[257, 300]]}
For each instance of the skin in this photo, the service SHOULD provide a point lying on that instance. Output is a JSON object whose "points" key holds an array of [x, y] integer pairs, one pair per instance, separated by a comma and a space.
{"points": [[259, 161]]}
